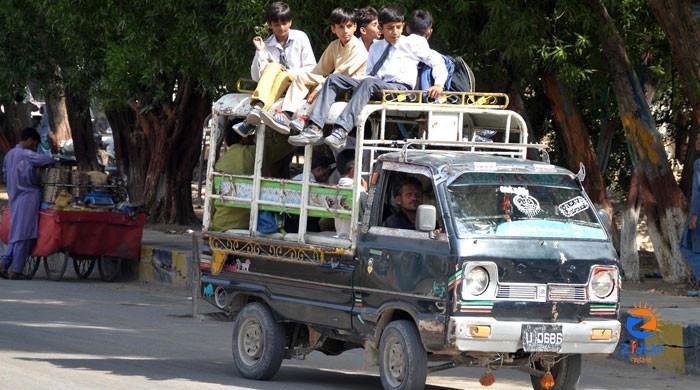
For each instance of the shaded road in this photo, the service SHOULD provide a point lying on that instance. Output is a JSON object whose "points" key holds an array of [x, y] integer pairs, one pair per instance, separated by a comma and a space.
{"points": [[89, 334]]}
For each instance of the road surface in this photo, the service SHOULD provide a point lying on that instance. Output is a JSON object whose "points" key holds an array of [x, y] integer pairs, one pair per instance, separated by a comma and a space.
{"points": [[94, 335]]}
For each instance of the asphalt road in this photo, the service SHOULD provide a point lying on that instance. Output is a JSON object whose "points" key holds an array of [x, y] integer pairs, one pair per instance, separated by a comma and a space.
{"points": [[94, 335]]}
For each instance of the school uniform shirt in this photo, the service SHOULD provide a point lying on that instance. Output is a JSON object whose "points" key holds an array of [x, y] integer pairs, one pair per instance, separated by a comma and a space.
{"points": [[298, 52], [349, 59], [401, 65]]}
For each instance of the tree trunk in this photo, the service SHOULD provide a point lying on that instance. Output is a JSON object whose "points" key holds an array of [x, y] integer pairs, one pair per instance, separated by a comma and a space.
{"points": [[605, 143], [578, 143], [646, 149], [78, 109], [629, 252], [58, 118], [159, 149]]}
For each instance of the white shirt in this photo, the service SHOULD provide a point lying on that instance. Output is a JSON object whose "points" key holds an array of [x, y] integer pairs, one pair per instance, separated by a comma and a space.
{"points": [[401, 65], [300, 55]]}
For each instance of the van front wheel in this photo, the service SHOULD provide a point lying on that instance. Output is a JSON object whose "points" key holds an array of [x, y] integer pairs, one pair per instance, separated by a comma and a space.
{"points": [[403, 363], [258, 342]]}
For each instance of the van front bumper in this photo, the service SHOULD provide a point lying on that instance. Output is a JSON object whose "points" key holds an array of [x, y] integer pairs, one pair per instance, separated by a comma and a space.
{"points": [[505, 336]]}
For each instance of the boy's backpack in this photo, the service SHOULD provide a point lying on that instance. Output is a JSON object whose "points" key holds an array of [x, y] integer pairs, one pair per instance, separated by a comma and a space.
{"points": [[459, 76]]}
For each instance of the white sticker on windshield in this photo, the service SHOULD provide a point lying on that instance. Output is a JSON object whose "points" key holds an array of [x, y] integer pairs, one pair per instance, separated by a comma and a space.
{"points": [[514, 190], [527, 205], [573, 206]]}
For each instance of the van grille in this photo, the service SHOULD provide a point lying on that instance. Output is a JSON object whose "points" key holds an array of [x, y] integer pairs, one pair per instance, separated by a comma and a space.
{"points": [[559, 292], [513, 291]]}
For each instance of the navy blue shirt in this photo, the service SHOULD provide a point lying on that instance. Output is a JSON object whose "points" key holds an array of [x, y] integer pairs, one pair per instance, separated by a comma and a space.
{"points": [[399, 220]]}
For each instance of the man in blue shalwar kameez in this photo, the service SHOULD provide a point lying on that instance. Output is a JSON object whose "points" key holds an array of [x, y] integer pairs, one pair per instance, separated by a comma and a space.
{"points": [[24, 193]]}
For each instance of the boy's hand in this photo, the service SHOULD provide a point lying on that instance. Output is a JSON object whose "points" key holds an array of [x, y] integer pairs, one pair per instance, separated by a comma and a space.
{"points": [[693, 223], [259, 43], [435, 91], [312, 96]]}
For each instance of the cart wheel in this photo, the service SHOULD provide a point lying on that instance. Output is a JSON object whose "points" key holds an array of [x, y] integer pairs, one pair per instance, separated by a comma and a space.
{"points": [[110, 268], [55, 265], [83, 267], [31, 266]]}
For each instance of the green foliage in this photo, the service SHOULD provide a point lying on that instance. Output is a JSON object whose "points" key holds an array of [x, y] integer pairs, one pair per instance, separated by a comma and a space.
{"points": [[137, 51]]}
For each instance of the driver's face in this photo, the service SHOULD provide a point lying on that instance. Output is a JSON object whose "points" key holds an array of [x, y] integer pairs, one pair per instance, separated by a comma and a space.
{"points": [[410, 197]]}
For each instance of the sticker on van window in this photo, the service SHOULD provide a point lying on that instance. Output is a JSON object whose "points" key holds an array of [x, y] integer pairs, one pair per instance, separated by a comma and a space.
{"points": [[514, 190], [573, 206], [527, 205]]}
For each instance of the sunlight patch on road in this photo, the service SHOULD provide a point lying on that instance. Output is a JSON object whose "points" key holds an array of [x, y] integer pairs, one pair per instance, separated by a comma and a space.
{"points": [[34, 301], [64, 325]]}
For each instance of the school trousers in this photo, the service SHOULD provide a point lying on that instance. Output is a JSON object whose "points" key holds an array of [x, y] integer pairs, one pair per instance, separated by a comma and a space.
{"points": [[272, 84], [337, 84], [299, 89]]}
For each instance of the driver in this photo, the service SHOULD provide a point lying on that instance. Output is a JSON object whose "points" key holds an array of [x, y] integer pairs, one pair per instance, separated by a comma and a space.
{"points": [[408, 195]]}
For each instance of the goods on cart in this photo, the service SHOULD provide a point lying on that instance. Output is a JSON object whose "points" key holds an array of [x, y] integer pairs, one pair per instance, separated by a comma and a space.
{"points": [[84, 216]]}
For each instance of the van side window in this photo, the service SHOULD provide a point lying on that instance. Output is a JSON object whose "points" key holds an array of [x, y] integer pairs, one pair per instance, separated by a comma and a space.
{"points": [[401, 198]]}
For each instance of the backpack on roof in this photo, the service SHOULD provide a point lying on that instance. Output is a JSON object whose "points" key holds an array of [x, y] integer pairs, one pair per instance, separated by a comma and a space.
{"points": [[459, 76]]}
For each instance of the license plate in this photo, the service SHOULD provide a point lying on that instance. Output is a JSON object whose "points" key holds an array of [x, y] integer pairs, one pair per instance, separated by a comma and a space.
{"points": [[542, 338]]}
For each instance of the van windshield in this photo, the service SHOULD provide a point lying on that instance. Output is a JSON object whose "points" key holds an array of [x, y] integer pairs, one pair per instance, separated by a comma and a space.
{"points": [[522, 205]]}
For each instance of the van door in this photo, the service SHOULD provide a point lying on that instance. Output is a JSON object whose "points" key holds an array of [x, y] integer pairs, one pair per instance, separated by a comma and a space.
{"points": [[401, 269]]}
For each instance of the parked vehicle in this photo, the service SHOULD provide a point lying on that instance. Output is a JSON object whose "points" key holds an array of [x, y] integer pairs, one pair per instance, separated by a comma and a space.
{"points": [[509, 265]]}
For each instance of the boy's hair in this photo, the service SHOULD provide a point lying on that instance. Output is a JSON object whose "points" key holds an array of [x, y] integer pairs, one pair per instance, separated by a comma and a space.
{"points": [[341, 16], [320, 160], [278, 11], [363, 17], [345, 162], [390, 14], [29, 132], [420, 21]]}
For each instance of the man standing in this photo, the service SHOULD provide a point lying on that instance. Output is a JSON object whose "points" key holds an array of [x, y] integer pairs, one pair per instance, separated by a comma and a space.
{"points": [[24, 194]]}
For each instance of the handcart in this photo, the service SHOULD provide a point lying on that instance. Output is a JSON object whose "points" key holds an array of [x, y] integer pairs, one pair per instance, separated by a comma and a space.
{"points": [[105, 238]]}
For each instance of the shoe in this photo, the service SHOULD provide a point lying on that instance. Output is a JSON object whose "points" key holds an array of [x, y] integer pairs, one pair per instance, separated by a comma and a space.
{"points": [[243, 129], [337, 139], [296, 126], [277, 121], [253, 117], [311, 135], [16, 276]]}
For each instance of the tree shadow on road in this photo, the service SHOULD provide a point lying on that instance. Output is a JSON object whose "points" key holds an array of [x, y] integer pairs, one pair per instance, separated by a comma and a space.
{"points": [[220, 373]]}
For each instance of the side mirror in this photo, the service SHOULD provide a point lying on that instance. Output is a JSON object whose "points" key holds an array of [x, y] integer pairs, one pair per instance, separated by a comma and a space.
{"points": [[426, 218]]}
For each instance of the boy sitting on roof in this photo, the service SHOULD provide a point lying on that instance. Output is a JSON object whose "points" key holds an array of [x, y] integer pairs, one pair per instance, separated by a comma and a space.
{"points": [[367, 26], [393, 64], [346, 55], [278, 60]]}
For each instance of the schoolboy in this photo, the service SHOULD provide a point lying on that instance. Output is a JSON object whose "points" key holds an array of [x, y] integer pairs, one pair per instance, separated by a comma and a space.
{"points": [[392, 64], [345, 55], [420, 22], [367, 25], [278, 59]]}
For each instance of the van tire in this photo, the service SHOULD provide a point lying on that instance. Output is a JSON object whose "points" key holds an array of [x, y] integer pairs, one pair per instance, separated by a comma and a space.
{"points": [[403, 362], [258, 342], [566, 374]]}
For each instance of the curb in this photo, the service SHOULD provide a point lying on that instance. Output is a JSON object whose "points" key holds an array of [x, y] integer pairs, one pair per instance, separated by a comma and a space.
{"points": [[674, 350], [165, 266]]}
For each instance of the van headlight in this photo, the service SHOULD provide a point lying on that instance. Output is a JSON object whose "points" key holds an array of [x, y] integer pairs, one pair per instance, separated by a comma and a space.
{"points": [[476, 281], [603, 282]]}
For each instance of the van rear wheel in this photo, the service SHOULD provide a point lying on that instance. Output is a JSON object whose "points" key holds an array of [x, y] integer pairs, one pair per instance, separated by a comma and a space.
{"points": [[566, 374], [403, 362], [258, 342]]}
